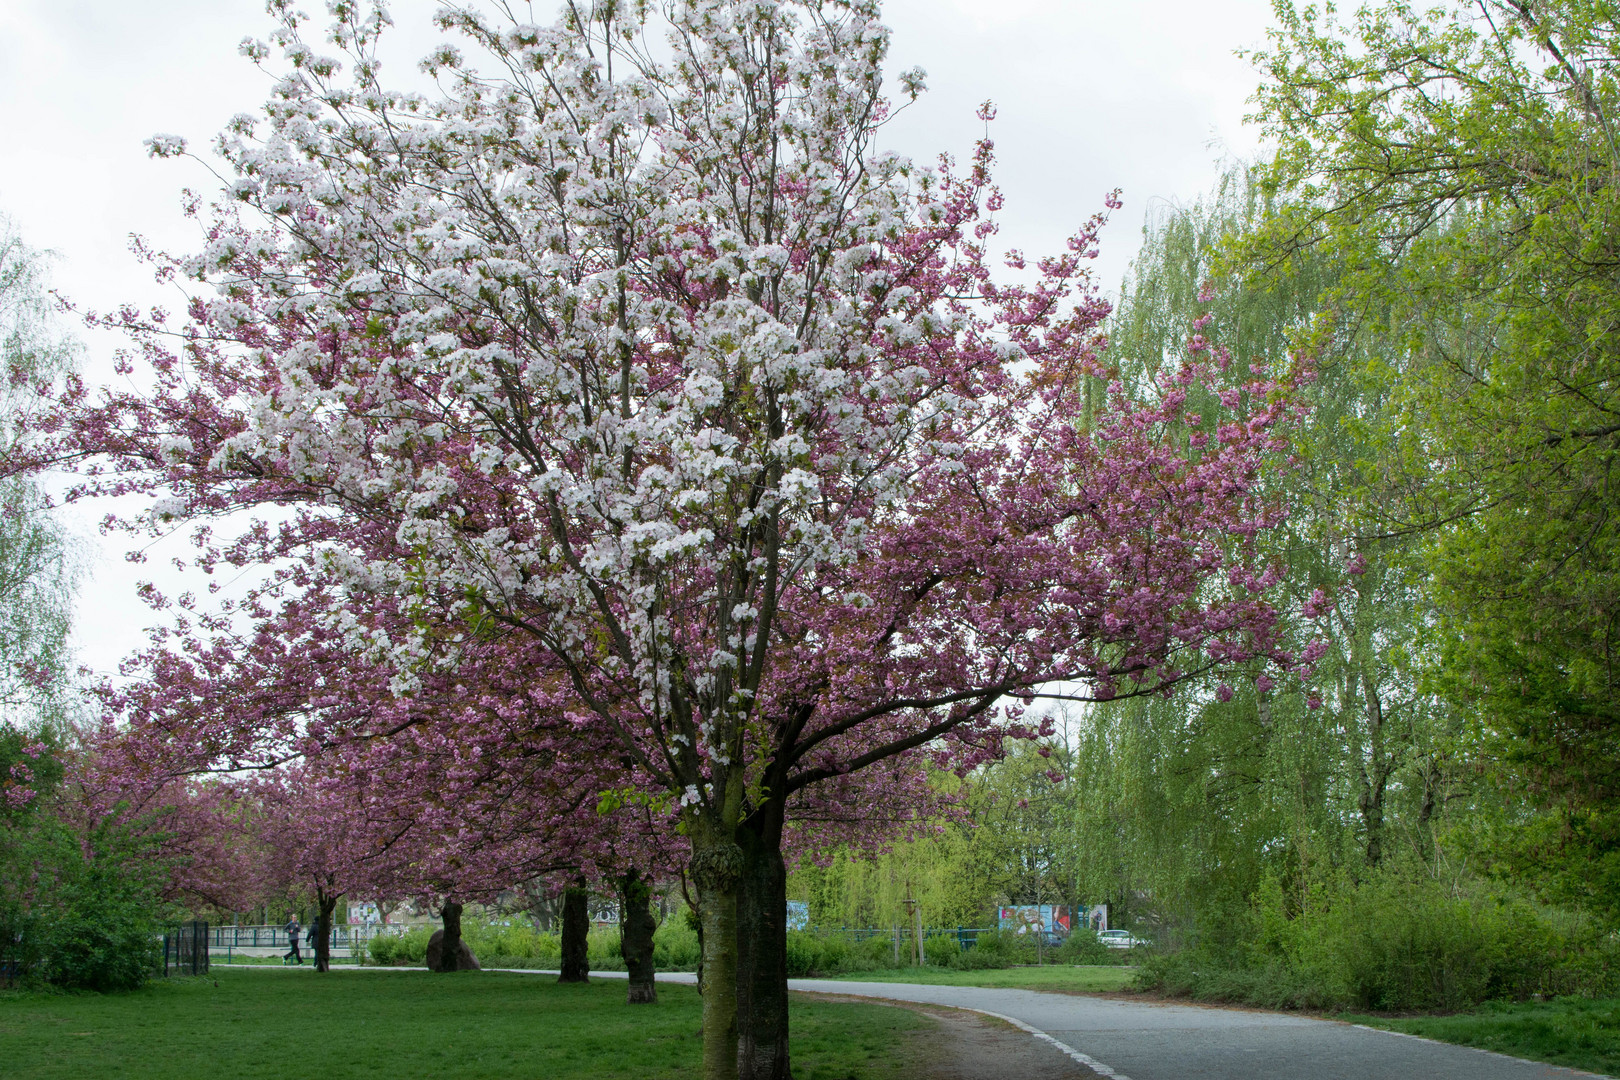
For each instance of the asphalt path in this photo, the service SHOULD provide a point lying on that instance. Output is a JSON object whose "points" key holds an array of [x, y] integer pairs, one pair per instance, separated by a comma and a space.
{"points": [[1132, 1040]]}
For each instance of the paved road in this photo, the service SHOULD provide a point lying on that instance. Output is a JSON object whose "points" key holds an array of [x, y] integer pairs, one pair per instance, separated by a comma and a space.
{"points": [[1130, 1040]]}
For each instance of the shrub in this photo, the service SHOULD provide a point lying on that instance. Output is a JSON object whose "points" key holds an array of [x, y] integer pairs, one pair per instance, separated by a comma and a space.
{"points": [[382, 948], [942, 949], [997, 949], [1084, 947], [837, 957], [675, 946], [871, 954], [1390, 944], [803, 953], [407, 948], [602, 949], [79, 911], [522, 945], [1274, 985], [103, 945]]}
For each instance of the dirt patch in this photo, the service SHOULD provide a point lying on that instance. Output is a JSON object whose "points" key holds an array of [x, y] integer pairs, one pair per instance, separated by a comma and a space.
{"points": [[968, 1046]]}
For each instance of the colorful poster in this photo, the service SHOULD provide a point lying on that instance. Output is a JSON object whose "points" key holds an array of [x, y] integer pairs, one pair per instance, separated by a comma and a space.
{"points": [[364, 913], [1054, 920]]}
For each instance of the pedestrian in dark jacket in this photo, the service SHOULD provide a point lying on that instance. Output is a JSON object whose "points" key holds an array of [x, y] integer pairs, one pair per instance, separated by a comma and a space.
{"points": [[292, 955]]}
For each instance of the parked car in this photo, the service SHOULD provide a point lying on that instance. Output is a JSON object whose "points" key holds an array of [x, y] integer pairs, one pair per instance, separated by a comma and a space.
{"points": [[1119, 939]]}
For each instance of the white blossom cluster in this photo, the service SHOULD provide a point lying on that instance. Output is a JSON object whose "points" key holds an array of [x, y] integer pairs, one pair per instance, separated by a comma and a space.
{"points": [[642, 291]]}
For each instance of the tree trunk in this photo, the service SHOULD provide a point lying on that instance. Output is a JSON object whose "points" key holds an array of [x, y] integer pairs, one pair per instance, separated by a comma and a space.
{"points": [[326, 904], [636, 928], [717, 864], [576, 928], [450, 945], [762, 992]]}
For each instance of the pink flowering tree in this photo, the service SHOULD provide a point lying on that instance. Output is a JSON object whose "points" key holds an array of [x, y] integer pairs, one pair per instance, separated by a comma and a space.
{"points": [[642, 355], [472, 781], [280, 762], [204, 830]]}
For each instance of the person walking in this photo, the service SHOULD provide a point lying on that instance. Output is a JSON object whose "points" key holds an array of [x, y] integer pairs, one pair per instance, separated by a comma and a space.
{"points": [[310, 939], [293, 930]]}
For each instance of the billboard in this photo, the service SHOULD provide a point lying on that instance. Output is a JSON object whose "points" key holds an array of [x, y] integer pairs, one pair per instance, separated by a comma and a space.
{"points": [[1053, 920], [365, 913], [1049, 919]]}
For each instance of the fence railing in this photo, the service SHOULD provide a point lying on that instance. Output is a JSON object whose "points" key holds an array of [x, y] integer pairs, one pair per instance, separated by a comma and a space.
{"points": [[355, 937], [966, 936], [275, 937], [185, 949]]}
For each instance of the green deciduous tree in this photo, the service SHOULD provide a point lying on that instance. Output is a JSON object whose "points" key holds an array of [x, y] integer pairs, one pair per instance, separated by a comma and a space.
{"points": [[37, 566], [1461, 164]]}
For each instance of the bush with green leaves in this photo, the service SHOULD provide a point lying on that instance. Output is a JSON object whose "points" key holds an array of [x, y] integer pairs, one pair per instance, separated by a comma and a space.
{"points": [[1391, 943], [496, 944], [405, 948], [995, 949], [78, 909], [675, 946], [1083, 946]]}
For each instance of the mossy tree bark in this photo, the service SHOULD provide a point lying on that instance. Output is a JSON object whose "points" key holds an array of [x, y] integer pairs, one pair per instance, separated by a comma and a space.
{"points": [[576, 928], [716, 869], [636, 927], [762, 992]]}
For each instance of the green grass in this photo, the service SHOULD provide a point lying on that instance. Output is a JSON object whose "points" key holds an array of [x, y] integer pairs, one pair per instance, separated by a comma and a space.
{"points": [[272, 1025], [1575, 1032], [1082, 979]]}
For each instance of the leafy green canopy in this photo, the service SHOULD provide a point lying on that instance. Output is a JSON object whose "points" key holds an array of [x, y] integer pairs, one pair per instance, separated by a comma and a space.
{"points": [[37, 565], [79, 905], [1461, 162]]}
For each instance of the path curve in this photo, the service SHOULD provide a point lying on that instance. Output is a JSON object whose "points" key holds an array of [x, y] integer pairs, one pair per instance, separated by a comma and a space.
{"points": [[1139, 1040]]}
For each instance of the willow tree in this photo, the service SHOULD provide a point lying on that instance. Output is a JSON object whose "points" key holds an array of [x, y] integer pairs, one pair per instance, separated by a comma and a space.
{"points": [[1461, 161], [1198, 796], [37, 565]]}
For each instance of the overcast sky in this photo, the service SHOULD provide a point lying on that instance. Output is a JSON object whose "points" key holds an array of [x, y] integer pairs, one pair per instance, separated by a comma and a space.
{"points": [[1143, 95]]}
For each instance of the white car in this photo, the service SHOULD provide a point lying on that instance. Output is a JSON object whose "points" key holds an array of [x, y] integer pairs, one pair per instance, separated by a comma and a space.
{"points": [[1119, 939]]}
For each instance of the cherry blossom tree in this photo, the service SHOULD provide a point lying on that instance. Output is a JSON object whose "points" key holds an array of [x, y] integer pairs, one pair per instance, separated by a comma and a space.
{"points": [[630, 346], [457, 791], [280, 762]]}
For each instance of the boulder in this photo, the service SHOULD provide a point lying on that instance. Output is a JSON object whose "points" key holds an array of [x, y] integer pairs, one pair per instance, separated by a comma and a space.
{"points": [[465, 960]]}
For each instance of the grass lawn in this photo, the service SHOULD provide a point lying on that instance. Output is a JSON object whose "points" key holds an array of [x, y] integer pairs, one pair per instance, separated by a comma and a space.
{"points": [[1578, 1033], [1075, 979], [273, 1025]]}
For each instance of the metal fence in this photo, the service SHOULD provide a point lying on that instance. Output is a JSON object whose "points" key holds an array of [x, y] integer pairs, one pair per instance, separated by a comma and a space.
{"points": [[966, 936], [11, 960], [275, 937], [185, 949]]}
